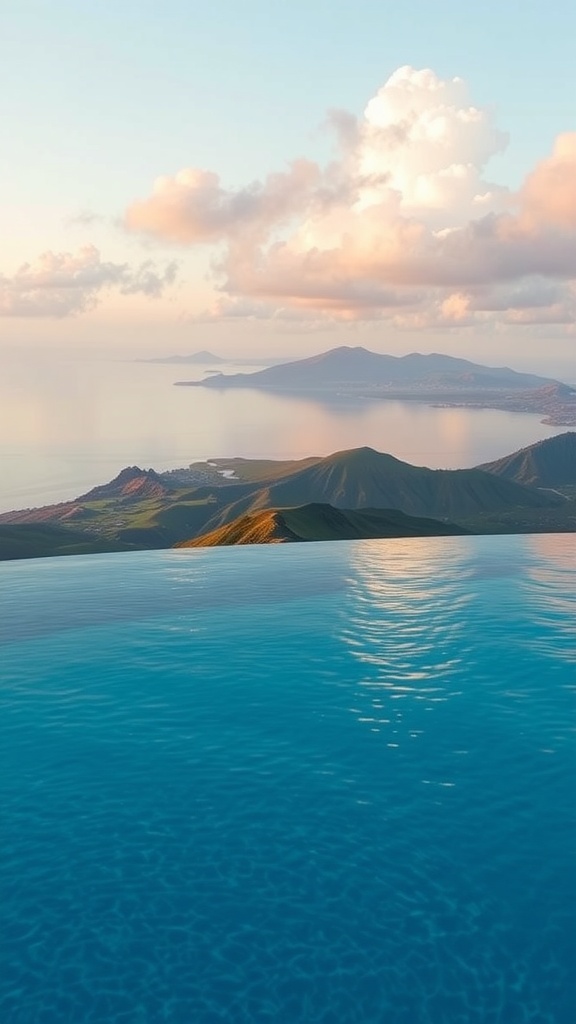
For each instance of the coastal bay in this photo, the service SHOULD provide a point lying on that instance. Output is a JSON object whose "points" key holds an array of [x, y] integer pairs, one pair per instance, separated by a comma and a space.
{"points": [[68, 424]]}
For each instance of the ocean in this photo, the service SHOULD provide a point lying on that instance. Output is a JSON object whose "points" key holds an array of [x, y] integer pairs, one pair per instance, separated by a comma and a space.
{"points": [[69, 424]]}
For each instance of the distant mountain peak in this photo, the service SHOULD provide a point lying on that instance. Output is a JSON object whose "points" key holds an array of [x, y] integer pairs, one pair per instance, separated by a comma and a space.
{"points": [[547, 463], [357, 370], [348, 348], [360, 456], [131, 482], [345, 350], [131, 473], [354, 452]]}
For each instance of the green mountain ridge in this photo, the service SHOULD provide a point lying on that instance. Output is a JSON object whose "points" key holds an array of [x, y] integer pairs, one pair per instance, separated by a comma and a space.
{"points": [[320, 522], [142, 509], [364, 478], [549, 463], [41, 540]]}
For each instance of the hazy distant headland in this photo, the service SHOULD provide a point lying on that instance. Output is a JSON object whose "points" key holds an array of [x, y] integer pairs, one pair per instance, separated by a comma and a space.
{"points": [[433, 379], [356, 493], [204, 358]]}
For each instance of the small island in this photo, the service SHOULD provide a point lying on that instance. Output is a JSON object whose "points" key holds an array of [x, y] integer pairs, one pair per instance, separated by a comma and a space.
{"points": [[434, 379], [203, 358]]}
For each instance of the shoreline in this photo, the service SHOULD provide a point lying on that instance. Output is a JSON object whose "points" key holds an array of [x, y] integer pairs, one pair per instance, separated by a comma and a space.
{"points": [[558, 410]]}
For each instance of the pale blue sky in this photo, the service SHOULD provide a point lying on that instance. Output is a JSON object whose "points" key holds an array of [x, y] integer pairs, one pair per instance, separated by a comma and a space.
{"points": [[98, 99], [104, 95]]}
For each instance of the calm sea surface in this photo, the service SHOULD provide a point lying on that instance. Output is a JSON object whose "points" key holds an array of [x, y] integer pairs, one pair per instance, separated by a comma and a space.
{"points": [[68, 425], [325, 783]]}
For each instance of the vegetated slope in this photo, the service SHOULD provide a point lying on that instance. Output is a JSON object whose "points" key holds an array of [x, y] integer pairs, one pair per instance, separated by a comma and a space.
{"points": [[138, 510], [524, 520], [255, 470], [315, 522], [358, 366], [548, 463], [162, 525], [364, 478], [32, 540]]}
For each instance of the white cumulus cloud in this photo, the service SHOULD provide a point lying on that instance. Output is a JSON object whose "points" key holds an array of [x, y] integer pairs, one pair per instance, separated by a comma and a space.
{"points": [[404, 224]]}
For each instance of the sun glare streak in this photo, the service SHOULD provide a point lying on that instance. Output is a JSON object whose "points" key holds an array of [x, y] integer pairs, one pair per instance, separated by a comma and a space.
{"points": [[404, 622]]}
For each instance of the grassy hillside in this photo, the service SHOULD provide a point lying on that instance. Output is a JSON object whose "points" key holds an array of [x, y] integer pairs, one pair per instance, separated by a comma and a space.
{"points": [[364, 478], [525, 520], [259, 470], [548, 463], [315, 522], [30, 540], [140, 509]]}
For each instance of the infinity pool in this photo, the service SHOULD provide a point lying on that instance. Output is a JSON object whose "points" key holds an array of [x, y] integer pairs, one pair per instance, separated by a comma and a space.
{"points": [[320, 783]]}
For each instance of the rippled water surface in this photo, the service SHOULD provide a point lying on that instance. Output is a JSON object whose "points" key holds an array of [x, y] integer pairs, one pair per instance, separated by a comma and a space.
{"points": [[325, 783]]}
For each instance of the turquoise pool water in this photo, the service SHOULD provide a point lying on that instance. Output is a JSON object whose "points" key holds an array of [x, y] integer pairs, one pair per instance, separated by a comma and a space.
{"points": [[324, 783]]}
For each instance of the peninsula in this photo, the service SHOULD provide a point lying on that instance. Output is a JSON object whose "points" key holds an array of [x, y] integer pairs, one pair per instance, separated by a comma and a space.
{"points": [[358, 493], [433, 379]]}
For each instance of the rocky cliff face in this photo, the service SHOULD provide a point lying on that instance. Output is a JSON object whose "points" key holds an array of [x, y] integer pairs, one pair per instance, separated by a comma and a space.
{"points": [[131, 482]]}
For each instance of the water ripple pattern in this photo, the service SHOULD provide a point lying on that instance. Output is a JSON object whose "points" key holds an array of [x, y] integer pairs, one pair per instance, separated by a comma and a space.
{"points": [[320, 783]]}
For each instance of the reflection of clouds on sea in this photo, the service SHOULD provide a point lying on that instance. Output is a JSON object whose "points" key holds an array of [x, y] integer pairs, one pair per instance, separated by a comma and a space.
{"points": [[454, 432], [559, 547], [405, 624], [550, 586]]}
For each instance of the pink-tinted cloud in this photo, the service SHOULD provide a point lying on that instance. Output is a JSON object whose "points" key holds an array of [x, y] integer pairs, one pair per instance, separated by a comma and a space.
{"points": [[63, 284], [549, 192], [193, 207], [403, 226]]}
